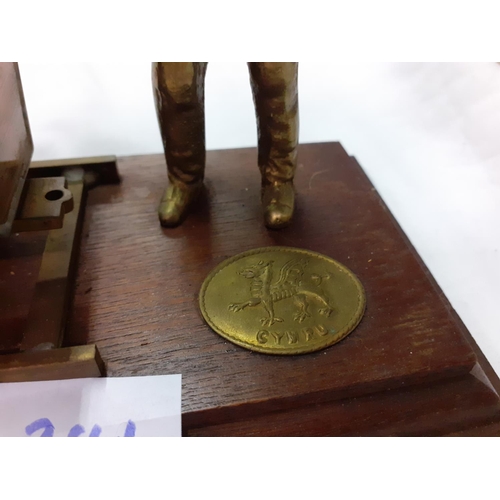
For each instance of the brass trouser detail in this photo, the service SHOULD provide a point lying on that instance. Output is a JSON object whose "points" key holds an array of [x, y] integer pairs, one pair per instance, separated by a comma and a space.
{"points": [[275, 94], [180, 89], [180, 92]]}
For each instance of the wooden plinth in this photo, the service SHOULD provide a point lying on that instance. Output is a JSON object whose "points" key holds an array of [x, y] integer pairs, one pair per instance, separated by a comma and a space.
{"points": [[410, 368]]}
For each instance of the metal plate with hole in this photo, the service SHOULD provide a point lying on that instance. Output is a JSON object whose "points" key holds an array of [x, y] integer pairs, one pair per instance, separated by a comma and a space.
{"points": [[45, 202]]}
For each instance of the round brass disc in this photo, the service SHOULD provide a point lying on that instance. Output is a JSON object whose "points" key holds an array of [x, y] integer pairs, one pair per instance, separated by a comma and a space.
{"points": [[281, 300]]}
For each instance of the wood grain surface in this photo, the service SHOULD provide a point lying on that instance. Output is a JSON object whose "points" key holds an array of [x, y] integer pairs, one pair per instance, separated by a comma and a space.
{"points": [[137, 291]]}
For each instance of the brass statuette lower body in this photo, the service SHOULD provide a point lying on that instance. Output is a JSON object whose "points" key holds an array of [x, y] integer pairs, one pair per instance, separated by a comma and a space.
{"points": [[179, 92]]}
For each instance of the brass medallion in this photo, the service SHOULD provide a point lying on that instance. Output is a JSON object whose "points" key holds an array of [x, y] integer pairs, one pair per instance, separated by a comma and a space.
{"points": [[282, 300]]}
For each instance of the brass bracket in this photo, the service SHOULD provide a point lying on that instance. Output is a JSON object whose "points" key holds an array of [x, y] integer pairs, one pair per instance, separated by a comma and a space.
{"points": [[44, 202], [40, 355], [98, 170]]}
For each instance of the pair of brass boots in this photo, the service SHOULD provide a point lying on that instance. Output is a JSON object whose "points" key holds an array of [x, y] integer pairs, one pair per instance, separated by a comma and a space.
{"points": [[278, 200]]}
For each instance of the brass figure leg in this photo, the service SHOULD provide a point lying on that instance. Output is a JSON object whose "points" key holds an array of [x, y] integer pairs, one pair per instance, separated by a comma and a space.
{"points": [[179, 92], [275, 93]]}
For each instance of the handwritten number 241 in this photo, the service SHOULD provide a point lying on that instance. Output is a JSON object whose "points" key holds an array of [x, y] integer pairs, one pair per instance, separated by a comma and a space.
{"points": [[75, 431]]}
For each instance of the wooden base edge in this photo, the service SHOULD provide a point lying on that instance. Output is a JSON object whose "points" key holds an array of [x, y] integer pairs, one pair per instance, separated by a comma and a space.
{"points": [[461, 406], [54, 364]]}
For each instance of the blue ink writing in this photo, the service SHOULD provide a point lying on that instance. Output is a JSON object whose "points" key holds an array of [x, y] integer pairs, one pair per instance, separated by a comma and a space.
{"points": [[95, 432], [41, 423], [75, 431], [130, 429]]}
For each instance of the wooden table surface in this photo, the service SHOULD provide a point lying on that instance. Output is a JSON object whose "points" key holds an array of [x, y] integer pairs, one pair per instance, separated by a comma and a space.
{"points": [[406, 369]]}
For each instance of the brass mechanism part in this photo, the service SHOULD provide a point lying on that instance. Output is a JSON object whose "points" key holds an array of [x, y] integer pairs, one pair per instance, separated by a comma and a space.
{"points": [[51, 298], [43, 205], [53, 364]]}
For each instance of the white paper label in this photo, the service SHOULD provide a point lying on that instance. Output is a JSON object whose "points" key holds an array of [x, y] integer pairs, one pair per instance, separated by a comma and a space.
{"points": [[94, 407]]}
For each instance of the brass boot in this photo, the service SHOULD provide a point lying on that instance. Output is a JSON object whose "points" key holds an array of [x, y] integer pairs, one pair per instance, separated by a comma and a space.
{"points": [[278, 201], [176, 201]]}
